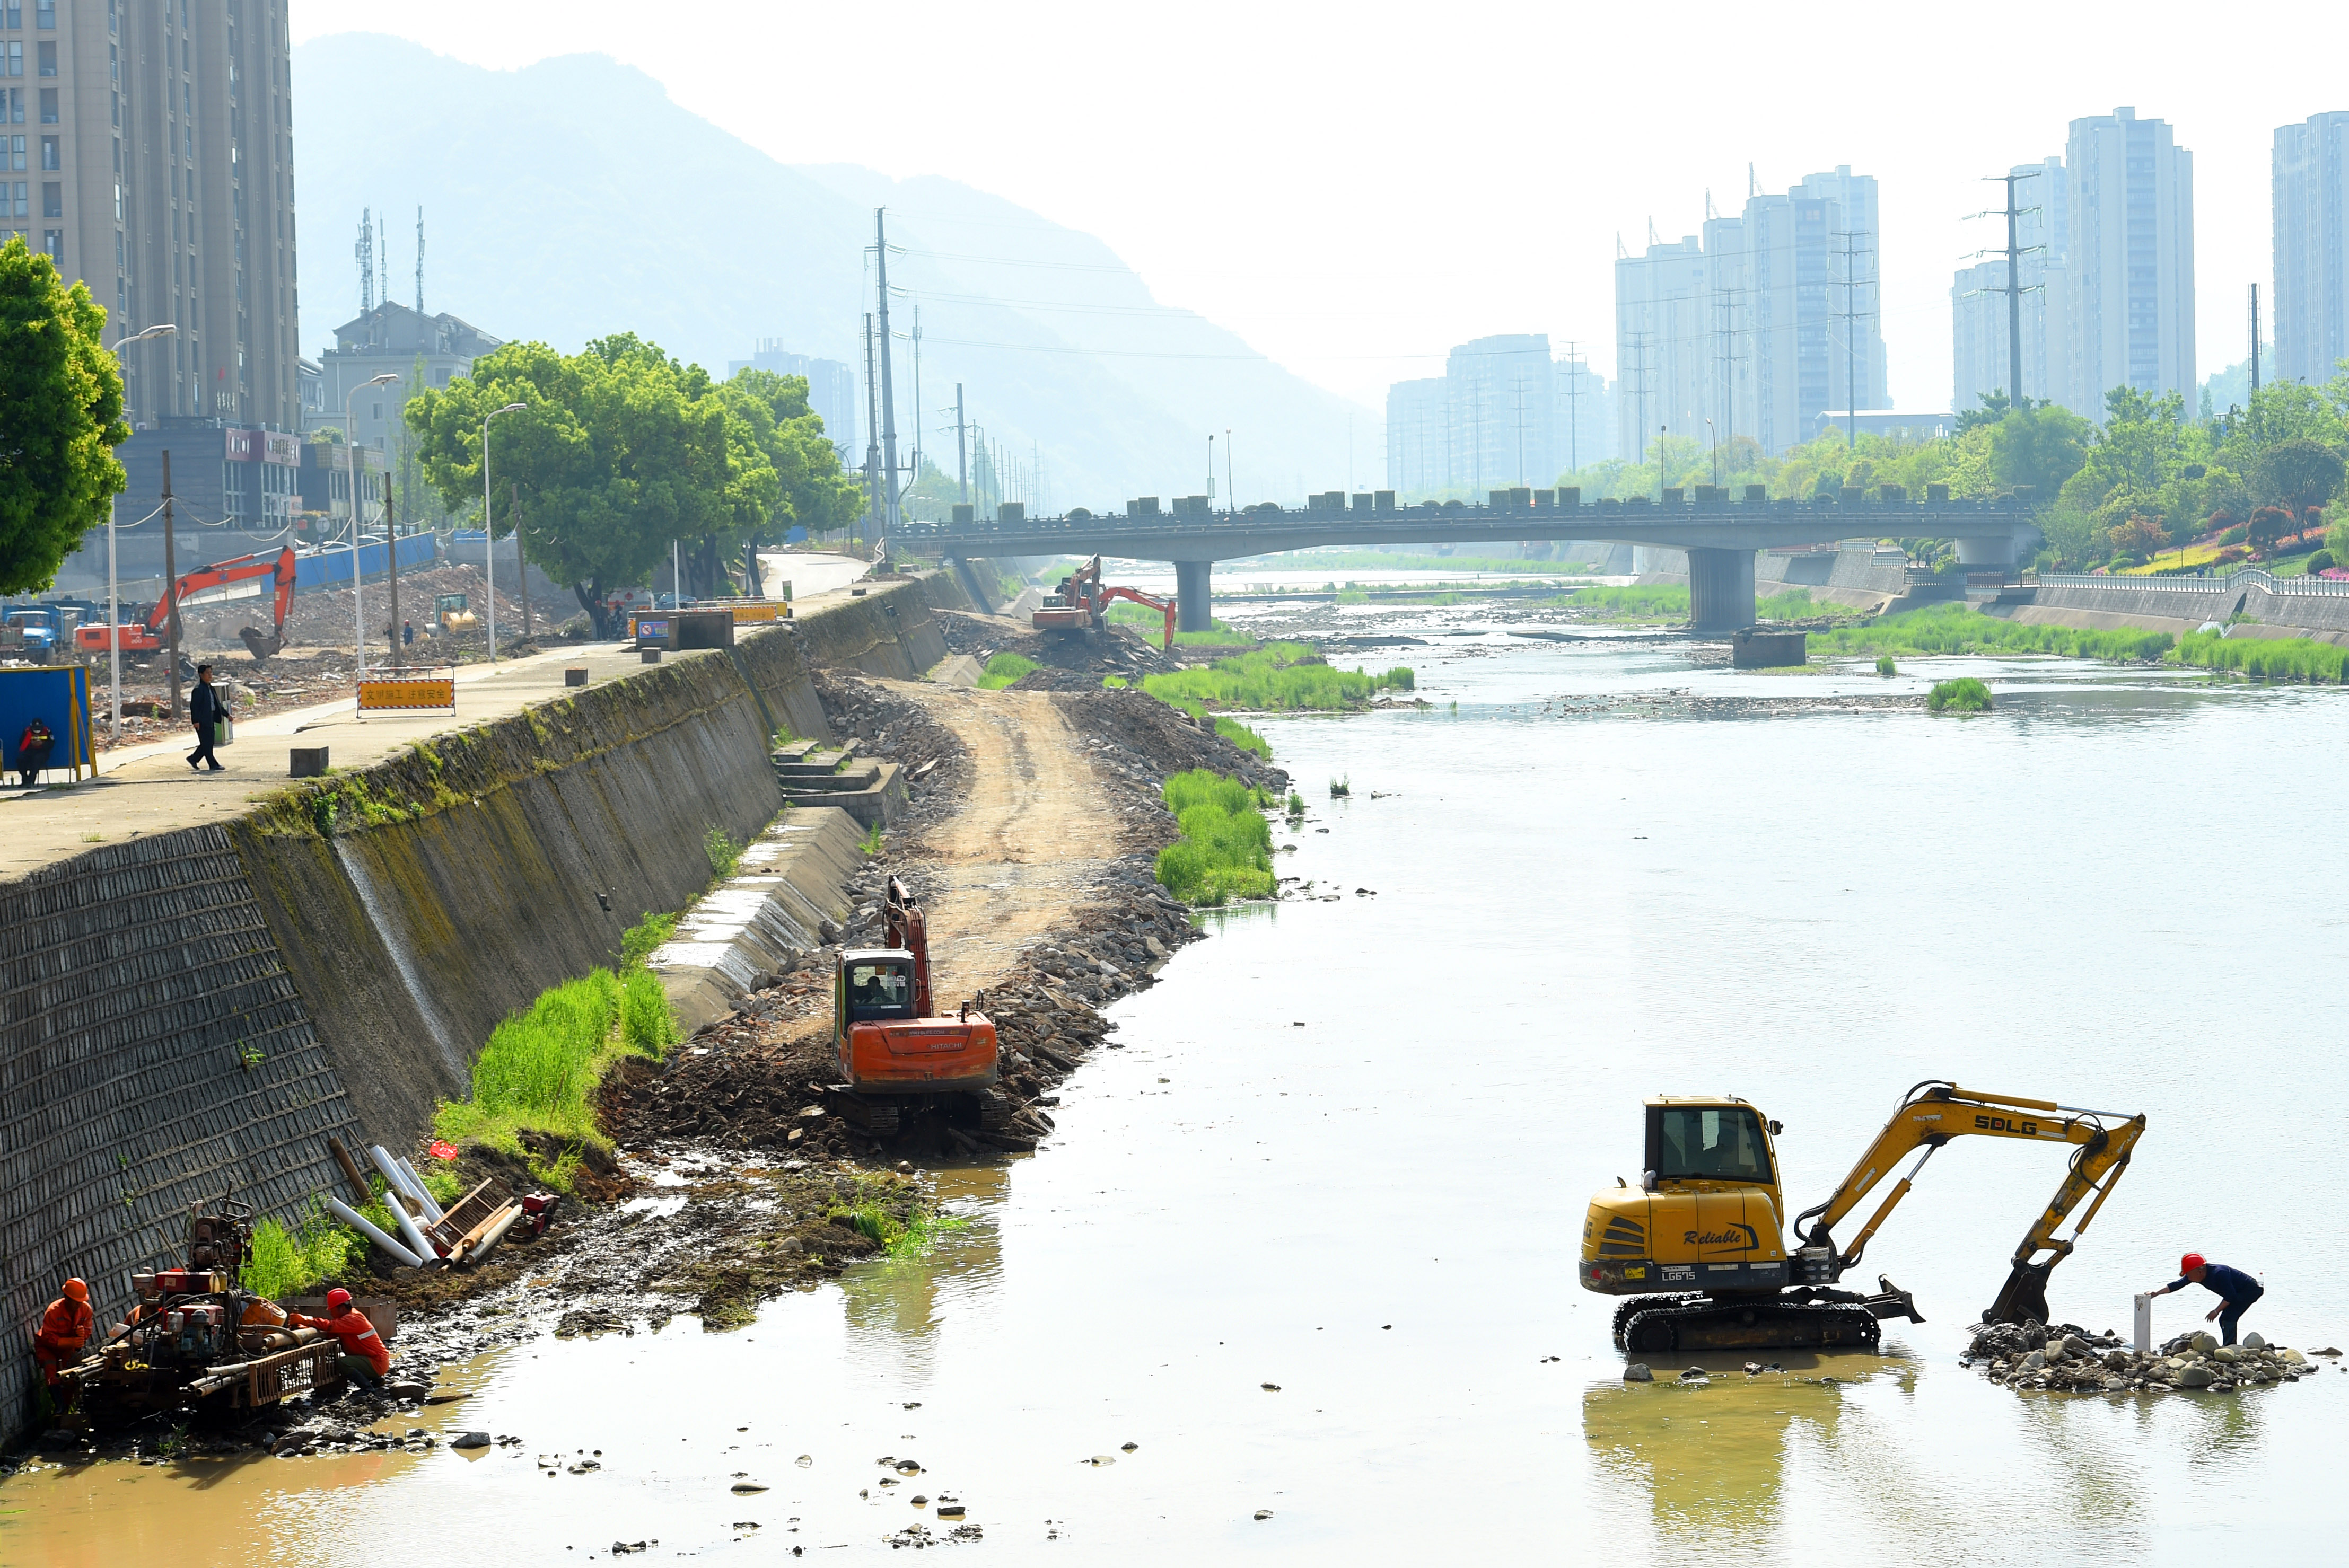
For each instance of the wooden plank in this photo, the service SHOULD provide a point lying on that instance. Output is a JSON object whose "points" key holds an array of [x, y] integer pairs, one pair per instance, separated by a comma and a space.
{"points": [[350, 1173]]}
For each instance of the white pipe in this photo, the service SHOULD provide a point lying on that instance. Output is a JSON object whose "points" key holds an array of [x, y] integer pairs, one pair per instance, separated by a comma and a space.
{"points": [[392, 1172], [2142, 1340], [497, 1234], [423, 1194], [367, 1227], [408, 1226]]}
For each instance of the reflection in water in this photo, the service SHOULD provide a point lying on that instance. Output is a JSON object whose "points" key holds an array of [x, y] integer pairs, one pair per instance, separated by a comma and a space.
{"points": [[1712, 1455], [893, 1305]]}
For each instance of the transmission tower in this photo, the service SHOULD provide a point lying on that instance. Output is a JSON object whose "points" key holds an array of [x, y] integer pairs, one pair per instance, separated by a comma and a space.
{"points": [[1847, 315]]}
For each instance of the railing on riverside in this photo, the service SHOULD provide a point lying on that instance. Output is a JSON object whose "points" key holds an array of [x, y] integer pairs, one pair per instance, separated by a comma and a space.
{"points": [[2178, 582]]}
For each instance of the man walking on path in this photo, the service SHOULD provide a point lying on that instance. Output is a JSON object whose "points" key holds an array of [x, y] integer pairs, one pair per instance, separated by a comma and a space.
{"points": [[204, 706], [2235, 1290]]}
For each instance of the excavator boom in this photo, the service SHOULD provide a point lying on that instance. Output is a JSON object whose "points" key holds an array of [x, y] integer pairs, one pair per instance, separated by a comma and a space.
{"points": [[1929, 1116]]}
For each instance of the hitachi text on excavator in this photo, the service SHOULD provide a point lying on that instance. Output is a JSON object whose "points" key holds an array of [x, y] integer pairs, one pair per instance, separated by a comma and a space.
{"points": [[1697, 1246]]}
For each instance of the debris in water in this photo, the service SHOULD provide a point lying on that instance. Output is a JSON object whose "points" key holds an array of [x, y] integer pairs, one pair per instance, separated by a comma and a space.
{"points": [[1103, 1459], [1129, 1447], [1638, 1372], [805, 1462], [745, 1488], [1272, 1388], [1264, 1514]]}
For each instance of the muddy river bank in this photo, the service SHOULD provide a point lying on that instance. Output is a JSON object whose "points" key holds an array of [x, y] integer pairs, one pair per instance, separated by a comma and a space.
{"points": [[1305, 1238]]}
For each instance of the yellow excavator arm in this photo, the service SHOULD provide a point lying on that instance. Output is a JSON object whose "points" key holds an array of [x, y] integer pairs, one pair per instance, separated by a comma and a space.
{"points": [[1929, 1116]]}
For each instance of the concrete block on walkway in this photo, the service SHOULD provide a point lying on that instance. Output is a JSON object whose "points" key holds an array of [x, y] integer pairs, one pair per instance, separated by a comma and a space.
{"points": [[309, 761]]}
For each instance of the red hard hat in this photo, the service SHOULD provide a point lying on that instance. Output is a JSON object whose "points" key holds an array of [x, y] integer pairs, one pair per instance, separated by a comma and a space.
{"points": [[2192, 1261], [337, 1299], [76, 1290]]}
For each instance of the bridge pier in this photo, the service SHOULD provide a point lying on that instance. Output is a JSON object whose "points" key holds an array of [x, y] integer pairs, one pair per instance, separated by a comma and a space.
{"points": [[1193, 612], [1996, 554], [1721, 589]]}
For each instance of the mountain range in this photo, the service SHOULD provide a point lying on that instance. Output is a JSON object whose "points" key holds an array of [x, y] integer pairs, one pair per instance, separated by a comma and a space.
{"points": [[573, 199]]}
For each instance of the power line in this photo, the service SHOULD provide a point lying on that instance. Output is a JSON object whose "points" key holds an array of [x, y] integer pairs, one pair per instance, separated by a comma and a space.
{"points": [[1851, 339]]}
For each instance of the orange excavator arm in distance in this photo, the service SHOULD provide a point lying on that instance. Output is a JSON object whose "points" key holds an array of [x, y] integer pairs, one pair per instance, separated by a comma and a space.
{"points": [[1147, 602], [220, 574]]}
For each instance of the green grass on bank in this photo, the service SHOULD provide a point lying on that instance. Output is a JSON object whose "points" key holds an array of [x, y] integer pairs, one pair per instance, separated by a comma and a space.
{"points": [[1666, 602], [1225, 849], [1957, 629], [1278, 677], [539, 1071], [1003, 669], [2266, 659]]}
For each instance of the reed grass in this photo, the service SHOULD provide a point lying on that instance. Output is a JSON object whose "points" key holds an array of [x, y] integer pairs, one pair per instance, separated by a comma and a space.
{"points": [[1003, 669], [1225, 849], [1276, 677], [1964, 695], [2266, 659], [1956, 629]]}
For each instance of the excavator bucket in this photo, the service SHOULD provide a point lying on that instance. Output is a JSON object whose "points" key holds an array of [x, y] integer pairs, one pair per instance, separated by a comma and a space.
{"points": [[2025, 1299], [259, 644]]}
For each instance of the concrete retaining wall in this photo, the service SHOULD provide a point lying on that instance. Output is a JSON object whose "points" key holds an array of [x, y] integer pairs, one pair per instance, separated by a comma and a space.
{"points": [[2120, 603], [362, 935]]}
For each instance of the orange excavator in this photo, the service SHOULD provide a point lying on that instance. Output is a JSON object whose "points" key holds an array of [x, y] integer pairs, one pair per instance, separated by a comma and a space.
{"points": [[1081, 603], [146, 636], [895, 1058]]}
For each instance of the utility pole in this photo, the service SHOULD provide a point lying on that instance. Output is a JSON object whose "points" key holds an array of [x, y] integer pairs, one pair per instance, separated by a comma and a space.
{"points": [[871, 437], [1231, 495], [962, 469], [1850, 337], [2014, 291], [1517, 385], [521, 565], [889, 396], [915, 466], [420, 260], [171, 579], [391, 566], [2255, 337], [1639, 345], [1727, 301]]}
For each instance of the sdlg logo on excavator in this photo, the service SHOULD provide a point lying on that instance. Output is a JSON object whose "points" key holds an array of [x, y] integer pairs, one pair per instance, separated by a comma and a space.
{"points": [[2007, 1124]]}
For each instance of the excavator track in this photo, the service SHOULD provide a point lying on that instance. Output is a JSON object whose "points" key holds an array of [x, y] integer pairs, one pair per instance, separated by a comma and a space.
{"points": [[1702, 1324], [1640, 1303], [994, 1109]]}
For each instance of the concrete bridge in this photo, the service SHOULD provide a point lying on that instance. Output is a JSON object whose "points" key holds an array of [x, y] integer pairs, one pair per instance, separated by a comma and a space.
{"points": [[1720, 534]]}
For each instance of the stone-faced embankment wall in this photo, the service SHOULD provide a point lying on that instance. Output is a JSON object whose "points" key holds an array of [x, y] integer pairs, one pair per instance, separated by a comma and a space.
{"points": [[190, 1015], [2182, 608]]}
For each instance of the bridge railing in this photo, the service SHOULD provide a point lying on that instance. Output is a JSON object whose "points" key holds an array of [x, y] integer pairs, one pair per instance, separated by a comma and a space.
{"points": [[2181, 583]]}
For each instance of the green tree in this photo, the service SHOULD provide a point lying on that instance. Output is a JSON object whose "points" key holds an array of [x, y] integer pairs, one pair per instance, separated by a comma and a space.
{"points": [[2300, 474], [618, 450], [811, 490], [2042, 447], [60, 418]]}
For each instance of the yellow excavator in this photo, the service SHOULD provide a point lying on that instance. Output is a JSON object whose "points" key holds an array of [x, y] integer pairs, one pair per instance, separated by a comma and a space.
{"points": [[1697, 1244]]}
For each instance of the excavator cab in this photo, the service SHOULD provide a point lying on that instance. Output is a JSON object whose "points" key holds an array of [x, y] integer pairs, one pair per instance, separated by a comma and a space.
{"points": [[1706, 1215]]}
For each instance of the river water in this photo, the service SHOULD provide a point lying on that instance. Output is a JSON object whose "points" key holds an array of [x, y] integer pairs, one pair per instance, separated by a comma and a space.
{"points": [[1346, 1148]]}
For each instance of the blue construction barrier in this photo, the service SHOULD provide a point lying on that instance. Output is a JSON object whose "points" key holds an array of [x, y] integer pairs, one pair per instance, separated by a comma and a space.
{"points": [[329, 565], [59, 697]]}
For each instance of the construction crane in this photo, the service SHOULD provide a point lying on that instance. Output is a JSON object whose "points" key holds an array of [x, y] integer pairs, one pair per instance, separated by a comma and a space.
{"points": [[146, 636], [1081, 603], [1704, 1223], [895, 1058]]}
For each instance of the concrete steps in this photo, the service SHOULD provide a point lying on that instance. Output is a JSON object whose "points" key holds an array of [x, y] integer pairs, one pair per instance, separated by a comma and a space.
{"points": [[808, 774]]}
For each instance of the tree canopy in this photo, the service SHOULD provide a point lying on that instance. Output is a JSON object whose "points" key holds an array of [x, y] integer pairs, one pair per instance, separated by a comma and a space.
{"points": [[620, 451], [60, 418]]}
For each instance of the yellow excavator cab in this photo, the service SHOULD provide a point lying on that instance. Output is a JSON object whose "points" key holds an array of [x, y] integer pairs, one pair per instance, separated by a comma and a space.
{"points": [[1706, 1213]]}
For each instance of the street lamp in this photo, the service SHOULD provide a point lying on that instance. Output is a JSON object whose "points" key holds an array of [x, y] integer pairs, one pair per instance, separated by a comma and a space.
{"points": [[113, 596], [351, 475], [1714, 437], [489, 535]]}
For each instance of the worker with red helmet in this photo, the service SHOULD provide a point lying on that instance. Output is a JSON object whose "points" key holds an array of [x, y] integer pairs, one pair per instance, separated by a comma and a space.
{"points": [[65, 1329], [2235, 1290], [363, 1358]]}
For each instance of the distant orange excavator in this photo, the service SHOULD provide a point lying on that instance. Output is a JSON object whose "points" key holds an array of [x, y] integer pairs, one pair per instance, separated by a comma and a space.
{"points": [[146, 636], [894, 1058], [1081, 603]]}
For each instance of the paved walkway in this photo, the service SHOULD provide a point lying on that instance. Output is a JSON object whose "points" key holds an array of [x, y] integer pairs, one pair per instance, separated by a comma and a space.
{"points": [[150, 789]]}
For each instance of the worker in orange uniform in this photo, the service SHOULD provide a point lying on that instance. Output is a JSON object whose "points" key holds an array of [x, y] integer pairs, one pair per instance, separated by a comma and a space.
{"points": [[65, 1329], [364, 1360]]}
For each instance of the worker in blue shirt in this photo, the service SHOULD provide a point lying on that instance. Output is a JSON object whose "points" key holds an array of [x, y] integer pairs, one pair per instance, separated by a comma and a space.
{"points": [[2235, 1290]]}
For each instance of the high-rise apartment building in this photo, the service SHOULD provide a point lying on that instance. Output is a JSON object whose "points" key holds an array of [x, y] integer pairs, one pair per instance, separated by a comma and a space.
{"points": [[1770, 319], [1662, 306], [1498, 393], [1584, 403], [1978, 301], [2311, 194], [831, 390], [150, 145], [2127, 291], [1418, 436]]}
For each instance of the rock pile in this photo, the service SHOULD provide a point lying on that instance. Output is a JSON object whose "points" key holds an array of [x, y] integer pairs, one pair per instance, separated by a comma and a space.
{"points": [[2068, 1358]]}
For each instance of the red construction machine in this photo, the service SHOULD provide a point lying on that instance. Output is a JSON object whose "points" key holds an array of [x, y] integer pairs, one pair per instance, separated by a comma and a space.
{"points": [[1081, 603], [895, 1058], [146, 636]]}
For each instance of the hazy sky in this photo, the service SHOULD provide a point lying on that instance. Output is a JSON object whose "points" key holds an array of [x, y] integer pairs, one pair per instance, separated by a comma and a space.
{"points": [[1357, 189]]}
